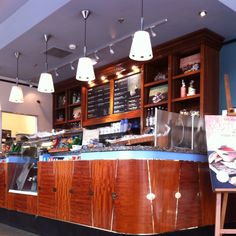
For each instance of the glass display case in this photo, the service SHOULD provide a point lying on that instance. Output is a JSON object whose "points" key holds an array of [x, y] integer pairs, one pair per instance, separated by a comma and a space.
{"points": [[180, 131], [24, 177]]}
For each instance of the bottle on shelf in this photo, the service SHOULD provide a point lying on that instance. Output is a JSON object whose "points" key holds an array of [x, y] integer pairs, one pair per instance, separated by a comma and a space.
{"points": [[183, 90], [191, 89], [147, 118], [126, 124], [74, 98], [152, 117]]}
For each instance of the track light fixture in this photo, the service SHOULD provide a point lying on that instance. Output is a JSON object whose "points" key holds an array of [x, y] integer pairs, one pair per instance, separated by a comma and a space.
{"points": [[16, 94], [56, 73], [71, 66], [111, 49], [96, 55], [153, 33]]}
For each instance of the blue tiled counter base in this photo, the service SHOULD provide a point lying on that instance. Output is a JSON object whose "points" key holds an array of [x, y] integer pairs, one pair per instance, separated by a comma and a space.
{"points": [[143, 155]]}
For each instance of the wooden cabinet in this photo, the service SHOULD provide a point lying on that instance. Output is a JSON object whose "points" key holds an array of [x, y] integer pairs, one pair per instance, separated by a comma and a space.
{"points": [[166, 73], [53, 189], [161, 80], [67, 107], [164, 185], [62, 188], [103, 175], [132, 209], [81, 193], [22, 203], [3, 185], [47, 189], [127, 196]]}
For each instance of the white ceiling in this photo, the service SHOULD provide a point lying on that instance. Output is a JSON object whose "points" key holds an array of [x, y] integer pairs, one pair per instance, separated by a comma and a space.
{"points": [[23, 23]]}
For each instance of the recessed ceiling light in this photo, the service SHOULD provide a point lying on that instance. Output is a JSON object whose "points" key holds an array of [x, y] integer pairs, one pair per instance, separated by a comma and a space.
{"points": [[202, 13], [72, 46], [121, 20]]}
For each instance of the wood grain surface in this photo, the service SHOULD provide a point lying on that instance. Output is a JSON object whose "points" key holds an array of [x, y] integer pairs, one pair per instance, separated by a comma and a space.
{"points": [[46, 186], [165, 184], [81, 193], [188, 211], [132, 210], [103, 181]]}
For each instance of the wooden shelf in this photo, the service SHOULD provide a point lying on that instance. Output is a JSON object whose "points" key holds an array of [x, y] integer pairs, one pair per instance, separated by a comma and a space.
{"points": [[60, 108], [166, 61], [197, 72], [59, 122], [156, 83], [113, 118], [75, 104], [186, 98], [155, 104], [74, 120]]}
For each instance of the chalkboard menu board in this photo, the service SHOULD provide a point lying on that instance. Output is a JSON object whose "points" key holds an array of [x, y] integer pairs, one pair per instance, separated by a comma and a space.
{"points": [[98, 101], [127, 94]]}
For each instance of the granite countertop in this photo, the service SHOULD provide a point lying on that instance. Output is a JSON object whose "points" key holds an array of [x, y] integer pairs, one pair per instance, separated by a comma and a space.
{"points": [[140, 148]]}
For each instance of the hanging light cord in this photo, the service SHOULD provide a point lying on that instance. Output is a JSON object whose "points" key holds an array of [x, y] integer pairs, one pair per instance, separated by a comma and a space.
{"points": [[85, 29], [46, 52], [142, 15], [17, 55]]}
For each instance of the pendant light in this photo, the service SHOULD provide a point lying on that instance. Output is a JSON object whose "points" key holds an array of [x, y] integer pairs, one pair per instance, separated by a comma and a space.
{"points": [[16, 94], [85, 71], [141, 48], [45, 81]]}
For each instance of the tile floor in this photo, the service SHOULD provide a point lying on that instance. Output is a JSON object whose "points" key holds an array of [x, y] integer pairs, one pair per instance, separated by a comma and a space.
{"points": [[6, 230]]}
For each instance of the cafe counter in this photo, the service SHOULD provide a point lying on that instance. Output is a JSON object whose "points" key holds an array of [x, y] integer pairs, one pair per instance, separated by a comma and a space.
{"points": [[126, 191]]}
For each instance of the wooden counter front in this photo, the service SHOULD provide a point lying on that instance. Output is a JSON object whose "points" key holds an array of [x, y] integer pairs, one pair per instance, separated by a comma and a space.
{"points": [[126, 196], [113, 194]]}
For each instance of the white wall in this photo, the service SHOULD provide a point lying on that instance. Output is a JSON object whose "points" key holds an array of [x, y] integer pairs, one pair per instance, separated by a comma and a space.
{"points": [[42, 110]]}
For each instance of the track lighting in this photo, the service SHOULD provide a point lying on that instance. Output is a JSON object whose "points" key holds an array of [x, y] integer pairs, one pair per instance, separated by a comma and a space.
{"points": [[96, 55], [202, 13], [143, 48], [152, 32], [111, 49], [56, 73], [71, 66]]}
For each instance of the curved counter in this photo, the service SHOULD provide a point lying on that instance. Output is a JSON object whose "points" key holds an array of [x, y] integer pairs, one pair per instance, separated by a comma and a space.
{"points": [[150, 154], [129, 191]]}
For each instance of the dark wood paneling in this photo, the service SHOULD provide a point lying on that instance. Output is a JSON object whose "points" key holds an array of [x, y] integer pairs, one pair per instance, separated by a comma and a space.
{"points": [[3, 185], [165, 183], [132, 210], [81, 193], [63, 184], [46, 189], [188, 211], [207, 196], [103, 180]]}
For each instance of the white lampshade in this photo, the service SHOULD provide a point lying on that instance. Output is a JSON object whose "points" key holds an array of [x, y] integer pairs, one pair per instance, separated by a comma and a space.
{"points": [[85, 71], [45, 83], [16, 94], [141, 48]]}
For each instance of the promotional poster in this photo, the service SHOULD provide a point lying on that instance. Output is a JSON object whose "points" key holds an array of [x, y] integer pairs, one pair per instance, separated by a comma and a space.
{"points": [[221, 146]]}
